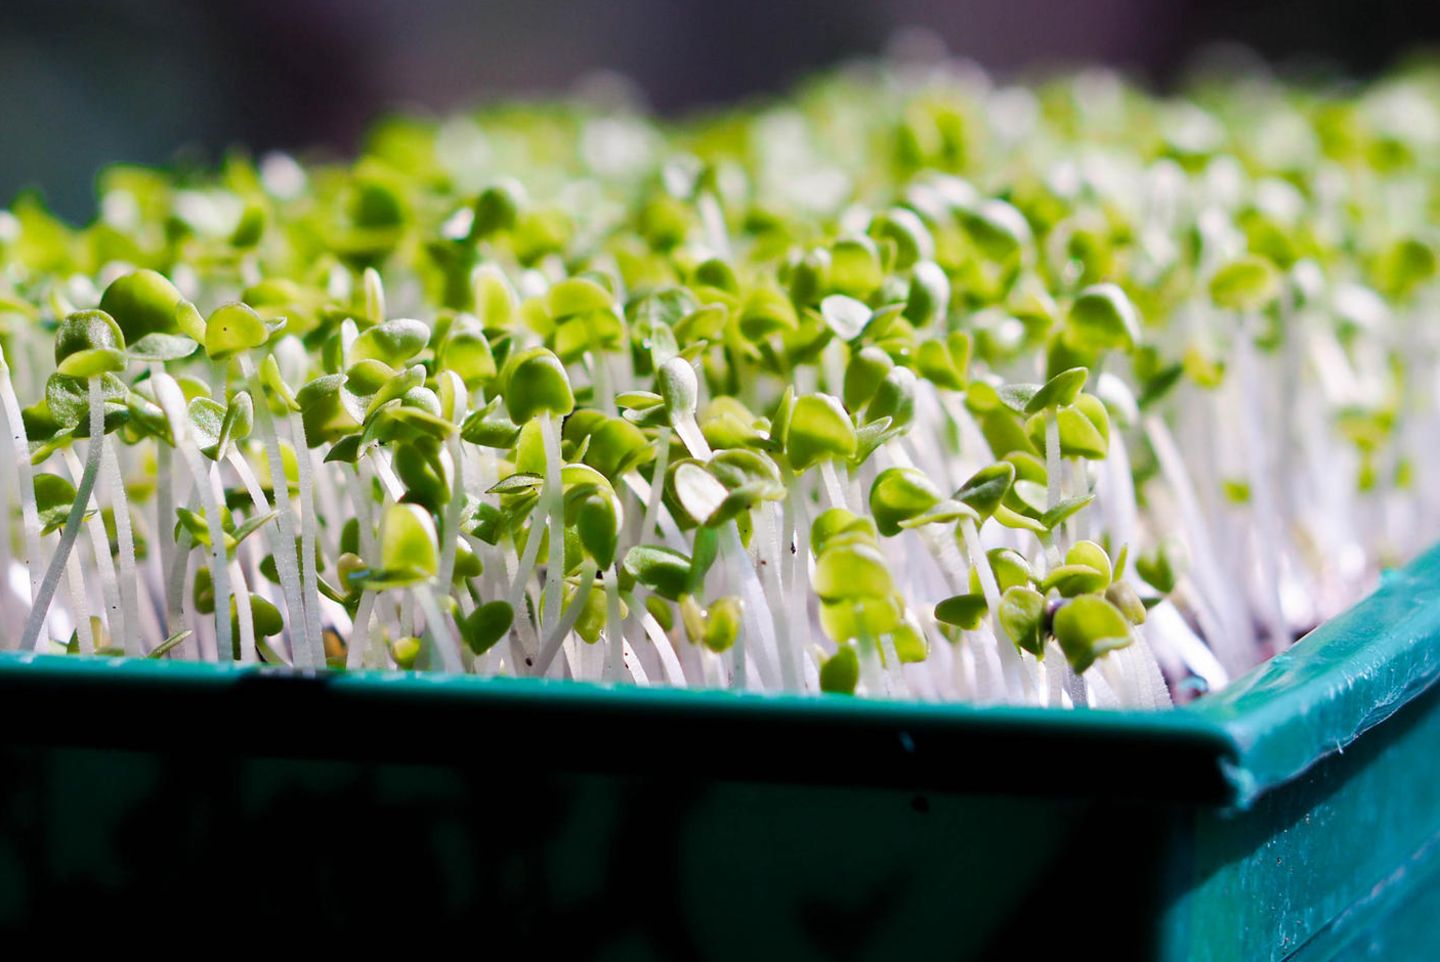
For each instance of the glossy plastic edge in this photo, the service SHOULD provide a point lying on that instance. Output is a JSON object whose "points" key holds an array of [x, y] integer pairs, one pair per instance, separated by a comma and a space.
{"points": [[1344, 678], [1314, 699]]}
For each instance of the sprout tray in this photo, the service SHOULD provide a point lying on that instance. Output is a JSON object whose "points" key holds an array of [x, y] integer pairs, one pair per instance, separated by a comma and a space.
{"points": [[1293, 815]]}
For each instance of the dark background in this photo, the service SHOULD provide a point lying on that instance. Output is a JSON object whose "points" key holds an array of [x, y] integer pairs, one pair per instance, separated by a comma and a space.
{"points": [[84, 83]]}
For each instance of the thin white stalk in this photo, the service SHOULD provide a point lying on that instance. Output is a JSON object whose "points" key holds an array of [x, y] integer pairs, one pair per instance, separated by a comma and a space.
{"points": [[556, 633], [768, 558], [555, 564], [967, 681], [450, 529], [24, 478], [1017, 681], [1264, 511], [164, 509], [630, 661], [385, 474], [614, 628], [526, 564], [690, 436], [590, 658], [1117, 493], [10, 566], [30, 637], [360, 484], [670, 533], [1233, 641], [287, 566], [674, 671], [8, 562], [99, 544], [409, 618], [1147, 673], [797, 584], [1074, 685], [657, 486], [895, 677], [125, 538], [1053, 467], [524, 636], [172, 403], [438, 627], [243, 614], [1100, 690], [834, 490], [1166, 627], [1113, 672], [600, 379], [1054, 681], [758, 635], [80, 603], [313, 647], [327, 507], [281, 548], [360, 635], [990, 679], [175, 579], [872, 672]]}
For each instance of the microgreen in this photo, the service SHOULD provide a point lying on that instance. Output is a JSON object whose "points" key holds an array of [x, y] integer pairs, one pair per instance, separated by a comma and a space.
{"points": [[903, 399]]}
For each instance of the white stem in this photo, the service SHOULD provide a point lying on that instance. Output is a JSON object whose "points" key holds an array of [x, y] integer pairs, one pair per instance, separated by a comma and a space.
{"points": [[99, 542], [614, 628], [669, 661], [243, 615], [797, 585], [287, 565], [1053, 479], [84, 627], [657, 485], [1264, 511], [439, 629], [164, 509], [556, 635], [894, 679], [1017, 680], [600, 378], [1114, 675], [360, 636], [692, 438], [555, 564], [1233, 641], [281, 549], [125, 537], [30, 637], [526, 565], [1118, 492], [450, 530], [834, 490], [24, 478], [380, 461], [175, 578], [768, 557], [314, 647], [872, 671], [631, 663], [172, 402]]}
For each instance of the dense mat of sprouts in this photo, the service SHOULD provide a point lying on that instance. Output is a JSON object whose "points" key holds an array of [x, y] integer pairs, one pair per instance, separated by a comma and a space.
{"points": [[912, 385]]}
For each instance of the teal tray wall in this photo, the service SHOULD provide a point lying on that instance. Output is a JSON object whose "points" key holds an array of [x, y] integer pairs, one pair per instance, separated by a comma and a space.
{"points": [[1292, 815]]}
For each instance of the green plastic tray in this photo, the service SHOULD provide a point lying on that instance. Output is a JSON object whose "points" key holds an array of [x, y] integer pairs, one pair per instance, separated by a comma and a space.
{"points": [[1292, 815]]}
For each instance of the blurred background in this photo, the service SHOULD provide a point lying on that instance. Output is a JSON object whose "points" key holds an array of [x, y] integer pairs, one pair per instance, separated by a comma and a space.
{"points": [[84, 83]]}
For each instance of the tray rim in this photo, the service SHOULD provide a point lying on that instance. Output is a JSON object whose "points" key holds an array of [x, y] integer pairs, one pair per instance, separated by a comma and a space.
{"points": [[1226, 749]]}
